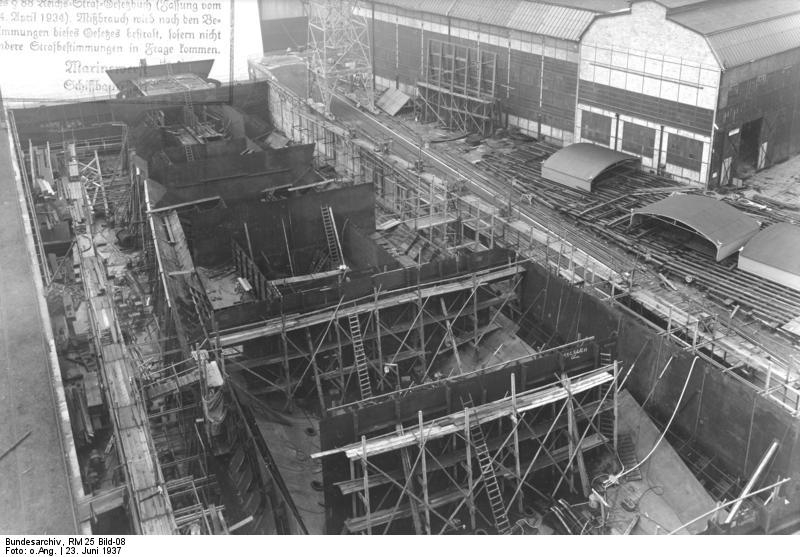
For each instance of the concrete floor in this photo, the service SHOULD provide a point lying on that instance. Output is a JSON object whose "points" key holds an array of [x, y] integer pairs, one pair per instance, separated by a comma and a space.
{"points": [[780, 183], [668, 495], [34, 486]]}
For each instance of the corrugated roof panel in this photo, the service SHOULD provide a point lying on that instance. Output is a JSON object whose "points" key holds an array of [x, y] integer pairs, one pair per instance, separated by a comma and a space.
{"points": [[775, 246], [552, 21], [438, 7], [600, 6], [674, 4], [392, 101], [724, 226], [717, 17], [496, 12], [578, 165], [740, 46]]}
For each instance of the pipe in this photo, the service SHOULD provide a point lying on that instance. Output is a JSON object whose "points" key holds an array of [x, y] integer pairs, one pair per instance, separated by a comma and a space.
{"points": [[720, 507], [753, 479]]}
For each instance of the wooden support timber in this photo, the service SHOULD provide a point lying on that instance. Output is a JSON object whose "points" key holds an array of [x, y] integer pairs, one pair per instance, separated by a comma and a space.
{"points": [[453, 423], [150, 504], [389, 299], [446, 447]]}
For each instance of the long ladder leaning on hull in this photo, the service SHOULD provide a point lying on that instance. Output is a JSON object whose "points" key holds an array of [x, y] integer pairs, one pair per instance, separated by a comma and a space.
{"points": [[332, 238], [360, 357], [487, 469]]}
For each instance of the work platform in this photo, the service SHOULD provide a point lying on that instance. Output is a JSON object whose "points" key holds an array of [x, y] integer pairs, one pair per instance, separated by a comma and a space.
{"points": [[35, 492]]}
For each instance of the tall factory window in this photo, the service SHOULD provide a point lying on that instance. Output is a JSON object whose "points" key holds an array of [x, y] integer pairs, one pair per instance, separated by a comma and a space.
{"points": [[596, 127], [638, 139], [684, 152]]}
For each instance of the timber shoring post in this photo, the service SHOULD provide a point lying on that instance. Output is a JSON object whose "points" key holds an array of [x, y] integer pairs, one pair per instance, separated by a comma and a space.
{"points": [[365, 471], [421, 329], [570, 433], [317, 380], [470, 480], [616, 404], [286, 369], [425, 494], [475, 311], [409, 483], [515, 420], [378, 338], [585, 432], [556, 417]]}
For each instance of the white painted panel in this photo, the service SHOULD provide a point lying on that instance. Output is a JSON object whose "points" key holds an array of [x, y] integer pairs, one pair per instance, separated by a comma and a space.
{"points": [[603, 55], [687, 94], [669, 91], [636, 63], [709, 77], [586, 70], [635, 83], [690, 73], [671, 71], [653, 66], [619, 59], [651, 86], [707, 97], [617, 79], [602, 75]]}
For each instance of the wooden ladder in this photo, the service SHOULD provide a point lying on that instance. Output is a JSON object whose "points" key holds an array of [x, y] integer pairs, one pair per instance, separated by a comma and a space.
{"points": [[360, 357], [487, 469], [319, 261], [189, 152], [332, 237]]}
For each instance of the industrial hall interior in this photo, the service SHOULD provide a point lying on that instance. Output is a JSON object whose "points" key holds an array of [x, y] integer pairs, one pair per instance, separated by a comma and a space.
{"points": [[519, 267]]}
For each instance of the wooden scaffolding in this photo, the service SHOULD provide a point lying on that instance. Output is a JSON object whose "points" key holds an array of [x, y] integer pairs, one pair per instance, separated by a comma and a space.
{"points": [[473, 468], [459, 90], [374, 344]]}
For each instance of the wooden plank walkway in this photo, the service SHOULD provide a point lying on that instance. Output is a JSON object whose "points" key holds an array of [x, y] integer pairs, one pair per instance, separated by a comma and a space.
{"points": [[149, 500]]}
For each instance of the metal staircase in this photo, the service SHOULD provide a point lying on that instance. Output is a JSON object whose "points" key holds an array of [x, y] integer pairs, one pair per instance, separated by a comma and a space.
{"points": [[360, 357], [605, 425], [332, 237], [487, 469], [626, 449]]}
